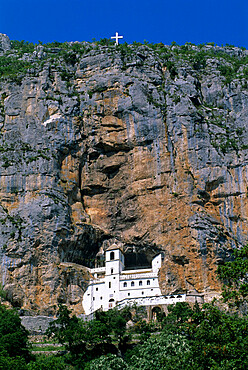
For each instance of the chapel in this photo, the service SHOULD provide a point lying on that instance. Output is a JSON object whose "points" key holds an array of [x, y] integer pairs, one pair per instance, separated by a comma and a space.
{"points": [[113, 285]]}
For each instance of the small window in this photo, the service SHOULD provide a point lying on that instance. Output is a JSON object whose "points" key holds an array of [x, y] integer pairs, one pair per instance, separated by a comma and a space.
{"points": [[97, 289], [142, 292], [151, 290], [100, 297], [125, 285], [112, 270], [148, 282], [93, 298], [128, 294], [112, 256], [110, 284], [132, 283], [140, 283]]}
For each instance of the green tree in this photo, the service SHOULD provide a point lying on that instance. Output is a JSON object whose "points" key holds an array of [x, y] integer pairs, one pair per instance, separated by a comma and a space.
{"points": [[69, 331], [115, 321], [49, 363], [163, 351], [109, 362], [234, 275], [87, 340], [14, 348], [178, 313], [11, 363], [218, 338], [13, 336]]}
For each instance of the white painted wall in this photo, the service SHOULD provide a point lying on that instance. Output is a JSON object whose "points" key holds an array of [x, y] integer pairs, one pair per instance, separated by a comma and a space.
{"points": [[120, 287]]}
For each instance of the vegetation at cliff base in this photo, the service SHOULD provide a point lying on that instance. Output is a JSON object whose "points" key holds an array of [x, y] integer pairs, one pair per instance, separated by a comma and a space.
{"points": [[205, 337], [187, 338], [14, 347], [234, 275]]}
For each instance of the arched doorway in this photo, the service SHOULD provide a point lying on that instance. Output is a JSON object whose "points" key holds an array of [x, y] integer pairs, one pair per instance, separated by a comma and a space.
{"points": [[111, 303], [157, 314]]}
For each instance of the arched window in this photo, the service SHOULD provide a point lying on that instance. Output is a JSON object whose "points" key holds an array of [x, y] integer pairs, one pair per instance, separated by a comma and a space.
{"points": [[125, 285], [148, 282], [140, 283], [132, 283], [112, 270], [112, 256]]}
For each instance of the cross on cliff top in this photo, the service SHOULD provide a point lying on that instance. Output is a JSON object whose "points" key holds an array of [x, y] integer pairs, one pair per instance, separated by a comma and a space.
{"points": [[116, 37]]}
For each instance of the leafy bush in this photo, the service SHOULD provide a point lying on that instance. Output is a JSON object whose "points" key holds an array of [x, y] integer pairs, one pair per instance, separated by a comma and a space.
{"points": [[13, 336], [234, 276], [105, 42], [23, 46], [199, 61], [109, 362], [164, 351], [49, 363], [88, 340], [11, 363], [215, 337], [12, 67]]}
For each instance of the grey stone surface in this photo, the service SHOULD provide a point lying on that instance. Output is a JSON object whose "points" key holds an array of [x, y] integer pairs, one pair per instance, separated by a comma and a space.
{"points": [[36, 324], [4, 43]]}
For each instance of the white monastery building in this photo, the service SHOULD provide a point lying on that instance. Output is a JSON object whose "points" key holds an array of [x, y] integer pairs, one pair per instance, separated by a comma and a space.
{"points": [[112, 285]]}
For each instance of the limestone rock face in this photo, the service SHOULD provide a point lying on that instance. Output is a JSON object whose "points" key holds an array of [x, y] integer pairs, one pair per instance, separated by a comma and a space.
{"points": [[4, 43], [139, 145]]}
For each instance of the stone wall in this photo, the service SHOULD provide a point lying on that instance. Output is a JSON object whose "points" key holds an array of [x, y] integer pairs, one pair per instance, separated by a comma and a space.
{"points": [[36, 324]]}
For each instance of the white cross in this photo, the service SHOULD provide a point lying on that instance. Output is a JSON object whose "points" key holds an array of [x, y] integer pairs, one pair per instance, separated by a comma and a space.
{"points": [[116, 37]]}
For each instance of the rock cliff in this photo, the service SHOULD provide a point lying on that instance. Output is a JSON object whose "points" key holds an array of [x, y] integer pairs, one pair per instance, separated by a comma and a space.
{"points": [[145, 145]]}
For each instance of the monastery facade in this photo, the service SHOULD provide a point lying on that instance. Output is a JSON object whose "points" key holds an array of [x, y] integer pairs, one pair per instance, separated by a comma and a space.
{"points": [[112, 285]]}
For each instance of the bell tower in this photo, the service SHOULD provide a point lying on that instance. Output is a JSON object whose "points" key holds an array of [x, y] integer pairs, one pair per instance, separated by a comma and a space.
{"points": [[114, 264]]}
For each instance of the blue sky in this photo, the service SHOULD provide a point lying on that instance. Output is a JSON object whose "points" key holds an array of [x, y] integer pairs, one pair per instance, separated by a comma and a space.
{"points": [[222, 22]]}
